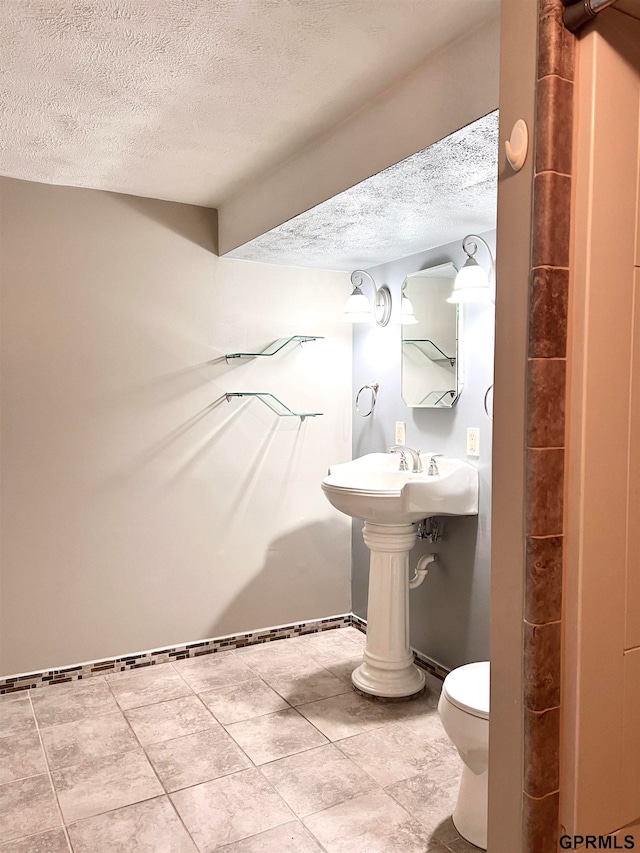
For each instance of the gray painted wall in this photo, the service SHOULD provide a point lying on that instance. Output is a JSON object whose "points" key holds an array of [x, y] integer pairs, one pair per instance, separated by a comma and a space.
{"points": [[450, 611]]}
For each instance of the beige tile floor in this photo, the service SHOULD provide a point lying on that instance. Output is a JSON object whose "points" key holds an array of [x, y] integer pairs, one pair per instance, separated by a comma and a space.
{"points": [[260, 750]]}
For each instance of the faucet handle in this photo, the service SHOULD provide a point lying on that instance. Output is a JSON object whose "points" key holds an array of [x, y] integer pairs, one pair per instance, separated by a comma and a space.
{"points": [[403, 456], [433, 466]]}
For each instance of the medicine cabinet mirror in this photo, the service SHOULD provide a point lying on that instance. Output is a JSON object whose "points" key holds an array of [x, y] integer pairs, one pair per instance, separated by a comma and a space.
{"points": [[431, 375]]}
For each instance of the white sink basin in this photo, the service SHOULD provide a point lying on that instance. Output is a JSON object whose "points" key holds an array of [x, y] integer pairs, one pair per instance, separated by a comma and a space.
{"points": [[372, 488]]}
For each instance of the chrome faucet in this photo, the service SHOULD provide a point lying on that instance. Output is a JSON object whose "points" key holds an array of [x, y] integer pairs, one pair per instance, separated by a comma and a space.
{"points": [[416, 461]]}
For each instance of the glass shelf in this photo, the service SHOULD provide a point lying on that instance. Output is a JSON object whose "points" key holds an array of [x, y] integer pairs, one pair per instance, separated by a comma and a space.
{"points": [[274, 404], [275, 347], [444, 399], [432, 352]]}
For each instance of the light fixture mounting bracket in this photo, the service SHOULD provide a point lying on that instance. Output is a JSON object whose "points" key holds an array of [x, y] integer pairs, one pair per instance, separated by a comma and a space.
{"points": [[382, 309], [382, 298]]}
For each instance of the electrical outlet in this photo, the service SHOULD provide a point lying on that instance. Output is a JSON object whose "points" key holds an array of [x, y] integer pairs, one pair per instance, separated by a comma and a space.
{"points": [[473, 441], [400, 432]]}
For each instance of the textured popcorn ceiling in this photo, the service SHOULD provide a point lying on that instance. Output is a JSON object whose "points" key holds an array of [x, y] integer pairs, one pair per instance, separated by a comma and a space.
{"points": [[190, 99], [434, 197]]}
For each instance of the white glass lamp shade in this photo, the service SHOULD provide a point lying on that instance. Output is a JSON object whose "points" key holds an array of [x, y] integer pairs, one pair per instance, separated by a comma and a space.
{"points": [[471, 284], [357, 308], [408, 314]]}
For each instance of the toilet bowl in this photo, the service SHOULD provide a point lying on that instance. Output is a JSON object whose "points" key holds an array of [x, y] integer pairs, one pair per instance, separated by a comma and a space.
{"points": [[464, 711]]}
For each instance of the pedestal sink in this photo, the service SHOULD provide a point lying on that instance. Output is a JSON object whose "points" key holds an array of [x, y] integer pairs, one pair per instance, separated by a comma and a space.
{"points": [[391, 502]]}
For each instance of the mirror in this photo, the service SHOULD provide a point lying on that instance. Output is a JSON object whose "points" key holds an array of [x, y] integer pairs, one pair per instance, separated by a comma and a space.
{"points": [[431, 375]]}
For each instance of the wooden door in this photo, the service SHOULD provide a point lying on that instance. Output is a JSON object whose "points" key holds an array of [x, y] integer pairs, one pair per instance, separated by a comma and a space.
{"points": [[600, 752]]}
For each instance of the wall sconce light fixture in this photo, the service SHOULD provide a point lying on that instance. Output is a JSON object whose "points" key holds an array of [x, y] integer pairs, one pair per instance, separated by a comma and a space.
{"points": [[472, 284], [357, 308]]}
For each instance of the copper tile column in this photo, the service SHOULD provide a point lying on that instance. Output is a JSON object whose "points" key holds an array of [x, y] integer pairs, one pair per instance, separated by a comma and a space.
{"points": [[546, 378]]}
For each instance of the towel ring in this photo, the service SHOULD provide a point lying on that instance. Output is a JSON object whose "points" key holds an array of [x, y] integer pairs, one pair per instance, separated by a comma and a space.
{"points": [[486, 402], [374, 396]]}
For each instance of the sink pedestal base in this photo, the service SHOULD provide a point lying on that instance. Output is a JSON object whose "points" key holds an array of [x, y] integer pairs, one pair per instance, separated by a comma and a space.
{"points": [[387, 668]]}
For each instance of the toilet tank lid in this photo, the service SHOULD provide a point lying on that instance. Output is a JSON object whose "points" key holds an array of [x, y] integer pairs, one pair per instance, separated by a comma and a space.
{"points": [[467, 687]]}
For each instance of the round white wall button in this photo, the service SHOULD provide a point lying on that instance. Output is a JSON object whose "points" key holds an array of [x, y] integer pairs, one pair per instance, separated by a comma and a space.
{"points": [[517, 145]]}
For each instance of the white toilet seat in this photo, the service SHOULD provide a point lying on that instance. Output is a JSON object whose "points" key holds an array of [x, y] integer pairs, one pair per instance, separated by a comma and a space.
{"points": [[467, 687]]}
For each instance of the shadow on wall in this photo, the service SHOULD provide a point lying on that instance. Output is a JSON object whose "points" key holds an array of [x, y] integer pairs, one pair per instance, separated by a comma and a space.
{"points": [[200, 229], [140, 399], [290, 581], [444, 603], [190, 430], [374, 435], [172, 385]]}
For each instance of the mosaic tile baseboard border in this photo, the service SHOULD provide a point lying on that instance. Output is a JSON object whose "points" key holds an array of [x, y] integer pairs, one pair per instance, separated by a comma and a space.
{"points": [[138, 660], [430, 666], [80, 672]]}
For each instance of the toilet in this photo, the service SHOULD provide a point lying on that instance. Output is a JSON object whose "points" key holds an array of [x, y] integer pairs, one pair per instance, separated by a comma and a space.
{"points": [[464, 711]]}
